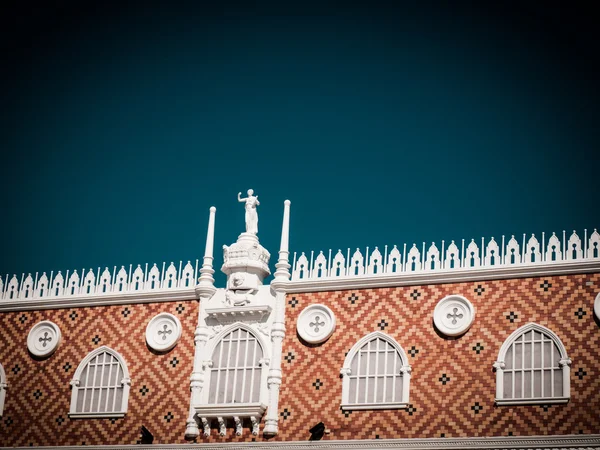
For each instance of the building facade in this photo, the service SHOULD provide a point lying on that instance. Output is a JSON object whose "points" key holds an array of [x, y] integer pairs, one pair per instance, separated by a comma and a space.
{"points": [[484, 345]]}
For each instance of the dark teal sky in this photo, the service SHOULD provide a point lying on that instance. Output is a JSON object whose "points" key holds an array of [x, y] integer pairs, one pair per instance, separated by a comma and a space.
{"points": [[120, 128]]}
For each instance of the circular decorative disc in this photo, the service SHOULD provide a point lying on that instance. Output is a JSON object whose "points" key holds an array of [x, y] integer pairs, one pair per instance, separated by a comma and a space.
{"points": [[43, 338], [597, 306], [453, 315], [315, 324], [163, 332]]}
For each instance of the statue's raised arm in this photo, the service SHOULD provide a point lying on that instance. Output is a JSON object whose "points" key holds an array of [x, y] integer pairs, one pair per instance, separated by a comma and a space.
{"points": [[251, 215]]}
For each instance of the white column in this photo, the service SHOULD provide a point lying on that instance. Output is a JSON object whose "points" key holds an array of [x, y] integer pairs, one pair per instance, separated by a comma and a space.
{"points": [[499, 366], [206, 272], [204, 290], [406, 370], [282, 274], [566, 371], [283, 265]]}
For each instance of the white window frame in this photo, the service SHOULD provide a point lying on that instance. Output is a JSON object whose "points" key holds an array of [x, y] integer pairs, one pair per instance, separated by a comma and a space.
{"points": [[255, 409], [3, 386], [564, 363], [404, 370], [125, 382]]}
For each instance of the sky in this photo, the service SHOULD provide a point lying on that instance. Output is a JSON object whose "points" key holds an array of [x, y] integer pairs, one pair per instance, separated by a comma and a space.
{"points": [[121, 127]]}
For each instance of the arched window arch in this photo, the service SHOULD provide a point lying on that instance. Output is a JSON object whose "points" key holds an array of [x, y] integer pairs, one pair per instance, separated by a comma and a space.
{"points": [[3, 386], [532, 368], [376, 374], [100, 385], [236, 369]]}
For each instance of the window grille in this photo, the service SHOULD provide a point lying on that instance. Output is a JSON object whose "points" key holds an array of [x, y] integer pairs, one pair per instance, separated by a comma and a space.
{"points": [[3, 386], [375, 374], [100, 385], [532, 367], [236, 372]]}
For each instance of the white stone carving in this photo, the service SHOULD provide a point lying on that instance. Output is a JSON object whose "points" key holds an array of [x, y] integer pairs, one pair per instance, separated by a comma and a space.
{"points": [[301, 270], [320, 266], [251, 202], [553, 250], [26, 290], [89, 283], [394, 261], [153, 281], [104, 285], [120, 284], [12, 289], [413, 261], [316, 323], [163, 332], [433, 258], [532, 250], [472, 255], [137, 279], [452, 260], [57, 285], [597, 306], [187, 276], [492, 254], [338, 268], [375, 262], [453, 315], [170, 280], [593, 250], [43, 339], [357, 267], [574, 250], [512, 255]]}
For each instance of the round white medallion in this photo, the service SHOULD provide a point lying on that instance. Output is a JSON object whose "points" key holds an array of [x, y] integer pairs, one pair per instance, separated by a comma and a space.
{"points": [[453, 315], [597, 306], [315, 324], [163, 332], [43, 339]]}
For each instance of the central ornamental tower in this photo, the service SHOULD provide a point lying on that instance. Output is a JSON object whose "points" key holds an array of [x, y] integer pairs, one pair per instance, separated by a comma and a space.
{"points": [[237, 361]]}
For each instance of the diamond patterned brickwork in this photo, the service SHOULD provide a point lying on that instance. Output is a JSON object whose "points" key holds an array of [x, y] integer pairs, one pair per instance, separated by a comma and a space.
{"points": [[464, 404], [39, 395], [311, 390]]}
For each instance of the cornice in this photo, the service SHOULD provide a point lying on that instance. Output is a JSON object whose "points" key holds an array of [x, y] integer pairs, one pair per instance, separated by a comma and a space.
{"points": [[443, 276], [116, 298], [579, 441]]}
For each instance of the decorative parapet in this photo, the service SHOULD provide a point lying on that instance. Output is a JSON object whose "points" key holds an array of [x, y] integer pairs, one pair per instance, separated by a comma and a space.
{"points": [[97, 286], [447, 260]]}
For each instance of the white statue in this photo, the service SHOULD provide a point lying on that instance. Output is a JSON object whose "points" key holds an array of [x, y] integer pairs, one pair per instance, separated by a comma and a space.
{"points": [[251, 214]]}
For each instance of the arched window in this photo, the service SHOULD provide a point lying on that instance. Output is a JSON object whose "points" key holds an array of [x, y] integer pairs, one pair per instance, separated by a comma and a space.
{"points": [[532, 368], [100, 385], [376, 374], [3, 386], [236, 373]]}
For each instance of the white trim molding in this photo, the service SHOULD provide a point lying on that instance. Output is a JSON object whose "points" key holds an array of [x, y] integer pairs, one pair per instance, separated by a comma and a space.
{"points": [[403, 371], [457, 275], [113, 298], [124, 382], [563, 363], [572, 441]]}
